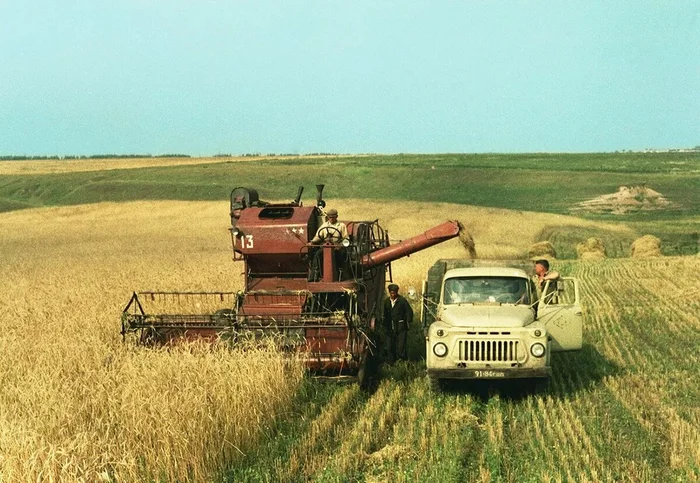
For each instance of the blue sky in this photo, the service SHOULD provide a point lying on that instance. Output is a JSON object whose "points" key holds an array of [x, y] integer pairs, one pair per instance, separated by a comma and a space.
{"points": [[207, 77]]}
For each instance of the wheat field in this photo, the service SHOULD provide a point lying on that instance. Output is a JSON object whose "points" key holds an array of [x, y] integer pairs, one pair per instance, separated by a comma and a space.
{"points": [[55, 166], [76, 404]]}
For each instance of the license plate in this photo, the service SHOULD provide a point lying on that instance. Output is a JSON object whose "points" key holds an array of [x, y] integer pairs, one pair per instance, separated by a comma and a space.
{"points": [[489, 374]]}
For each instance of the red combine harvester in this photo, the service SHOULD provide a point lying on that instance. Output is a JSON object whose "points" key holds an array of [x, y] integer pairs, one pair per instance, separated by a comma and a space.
{"points": [[320, 300]]}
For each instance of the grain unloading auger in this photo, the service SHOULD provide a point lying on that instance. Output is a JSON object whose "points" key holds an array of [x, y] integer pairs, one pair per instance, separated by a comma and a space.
{"points": [[320, 300]]}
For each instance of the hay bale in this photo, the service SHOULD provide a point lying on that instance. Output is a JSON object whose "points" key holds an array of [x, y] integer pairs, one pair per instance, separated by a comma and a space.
{"points": [[646, 246], [591, 249], [542, 249], [467, 241]]}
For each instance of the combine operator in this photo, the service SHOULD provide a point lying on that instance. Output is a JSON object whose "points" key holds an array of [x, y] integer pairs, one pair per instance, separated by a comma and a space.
{"points": [[331, 231]]}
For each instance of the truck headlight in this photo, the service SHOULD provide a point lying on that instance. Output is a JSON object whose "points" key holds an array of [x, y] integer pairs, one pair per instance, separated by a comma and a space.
{"points": [[440, 349], [345, 242], [537, 349]]}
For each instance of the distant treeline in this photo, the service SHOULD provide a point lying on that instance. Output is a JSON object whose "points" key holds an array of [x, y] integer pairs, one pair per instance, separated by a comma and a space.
{"points": [[259, 155], [131, 156], [93, 156]]}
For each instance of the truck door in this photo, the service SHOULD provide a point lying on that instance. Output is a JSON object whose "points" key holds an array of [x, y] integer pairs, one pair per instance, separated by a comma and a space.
{"points": [[559, 309]]}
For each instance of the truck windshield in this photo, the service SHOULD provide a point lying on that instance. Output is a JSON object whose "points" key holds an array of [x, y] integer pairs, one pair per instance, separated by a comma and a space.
{"points": [[506, 290]]}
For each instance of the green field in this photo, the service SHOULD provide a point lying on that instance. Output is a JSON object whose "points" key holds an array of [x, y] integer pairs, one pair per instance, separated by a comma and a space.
{"points": [[549, 183]]}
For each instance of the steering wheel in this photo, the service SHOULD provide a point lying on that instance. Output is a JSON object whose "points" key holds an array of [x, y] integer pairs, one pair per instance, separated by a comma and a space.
{"points": [[330, 232]]}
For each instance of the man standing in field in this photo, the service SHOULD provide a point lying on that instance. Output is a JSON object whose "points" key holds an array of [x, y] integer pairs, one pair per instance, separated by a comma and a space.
{"points": [[398, 316]]}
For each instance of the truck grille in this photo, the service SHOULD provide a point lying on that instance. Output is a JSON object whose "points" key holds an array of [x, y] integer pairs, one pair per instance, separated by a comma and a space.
{"points": [[489, 350]]}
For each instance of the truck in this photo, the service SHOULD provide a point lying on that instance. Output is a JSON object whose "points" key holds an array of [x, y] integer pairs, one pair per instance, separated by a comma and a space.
{"points": [[489, 320]]}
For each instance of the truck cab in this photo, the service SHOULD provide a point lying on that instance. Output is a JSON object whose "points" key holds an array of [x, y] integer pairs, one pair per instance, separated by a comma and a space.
{"points": [[490, 322]]}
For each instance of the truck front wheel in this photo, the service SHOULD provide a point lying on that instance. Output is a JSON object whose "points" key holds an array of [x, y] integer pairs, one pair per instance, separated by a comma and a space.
{"points": [[436, 384]]}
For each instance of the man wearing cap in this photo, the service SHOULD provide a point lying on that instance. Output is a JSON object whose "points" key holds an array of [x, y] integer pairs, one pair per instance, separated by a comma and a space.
{"points": [[331, 230], [398, 316]]}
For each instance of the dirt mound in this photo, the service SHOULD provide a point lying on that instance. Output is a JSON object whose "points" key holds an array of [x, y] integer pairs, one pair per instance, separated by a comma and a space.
{"points": [[591, 249], [542, 249], [646, 246], [627, 199]]}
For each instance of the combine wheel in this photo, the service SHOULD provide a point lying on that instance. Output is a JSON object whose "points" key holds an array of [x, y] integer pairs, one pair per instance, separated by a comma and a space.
{"points": [[367, 374]]}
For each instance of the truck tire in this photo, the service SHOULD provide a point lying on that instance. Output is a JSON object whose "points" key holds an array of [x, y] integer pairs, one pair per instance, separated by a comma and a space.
{"points": [[541, 385], [436, 384]]}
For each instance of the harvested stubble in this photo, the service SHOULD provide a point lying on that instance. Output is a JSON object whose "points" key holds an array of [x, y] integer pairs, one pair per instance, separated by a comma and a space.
{"points": [[646, 246], [76, 404], [591, 249]]}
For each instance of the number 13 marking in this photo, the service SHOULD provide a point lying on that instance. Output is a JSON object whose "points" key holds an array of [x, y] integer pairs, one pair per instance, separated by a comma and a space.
{"points": [[247, 241]]}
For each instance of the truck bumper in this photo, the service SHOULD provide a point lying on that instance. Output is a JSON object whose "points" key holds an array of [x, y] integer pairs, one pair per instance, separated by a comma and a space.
{"points": [[487, 373]]}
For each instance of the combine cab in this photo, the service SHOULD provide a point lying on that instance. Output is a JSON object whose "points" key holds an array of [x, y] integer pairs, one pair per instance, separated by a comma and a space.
{"points": [[322, 301]]}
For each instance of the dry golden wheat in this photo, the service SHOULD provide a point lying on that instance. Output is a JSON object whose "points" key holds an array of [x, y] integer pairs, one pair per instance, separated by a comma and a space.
{"points": [[78, 404]]}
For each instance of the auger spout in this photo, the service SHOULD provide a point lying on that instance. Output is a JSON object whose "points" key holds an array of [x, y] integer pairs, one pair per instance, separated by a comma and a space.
{"points": [[437, 234]]}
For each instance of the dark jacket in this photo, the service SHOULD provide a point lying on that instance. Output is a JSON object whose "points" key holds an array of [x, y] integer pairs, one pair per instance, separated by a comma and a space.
{"points": [[398, 317]]}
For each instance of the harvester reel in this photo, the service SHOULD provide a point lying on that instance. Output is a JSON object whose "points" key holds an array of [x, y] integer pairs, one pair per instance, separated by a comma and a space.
{"points": [[227, 318]]}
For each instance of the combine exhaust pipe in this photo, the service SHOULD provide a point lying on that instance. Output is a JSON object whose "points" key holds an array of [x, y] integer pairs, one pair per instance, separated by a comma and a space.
{"points": [[319, 195], [433, 236]]}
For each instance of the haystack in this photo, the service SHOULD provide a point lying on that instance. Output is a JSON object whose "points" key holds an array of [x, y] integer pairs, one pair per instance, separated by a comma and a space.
{"points": [[646, 246], [542, 249], [591, 249], [625, 200]]}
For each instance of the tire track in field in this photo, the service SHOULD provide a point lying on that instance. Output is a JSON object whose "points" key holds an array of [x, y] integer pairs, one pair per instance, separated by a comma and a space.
{"points": [[371, 430], [313, 450], [405, 429], [564, 432]]}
